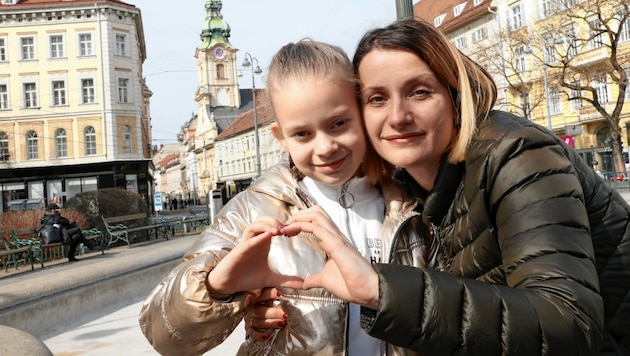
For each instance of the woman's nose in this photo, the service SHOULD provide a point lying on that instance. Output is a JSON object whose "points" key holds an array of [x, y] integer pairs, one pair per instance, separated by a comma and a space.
{"points": [[400, 113]]}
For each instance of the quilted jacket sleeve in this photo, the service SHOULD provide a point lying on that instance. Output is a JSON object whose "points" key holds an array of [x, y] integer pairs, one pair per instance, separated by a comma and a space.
{"points": [[523, 279], [179, 317]]}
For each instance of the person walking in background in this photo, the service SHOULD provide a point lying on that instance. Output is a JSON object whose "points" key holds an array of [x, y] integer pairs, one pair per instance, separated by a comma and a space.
{"points": [[533, 244], [312, 90], [60, 229]]}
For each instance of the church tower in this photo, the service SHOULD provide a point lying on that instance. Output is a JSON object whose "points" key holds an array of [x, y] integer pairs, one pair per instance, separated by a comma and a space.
{"points": [[216, 62]]}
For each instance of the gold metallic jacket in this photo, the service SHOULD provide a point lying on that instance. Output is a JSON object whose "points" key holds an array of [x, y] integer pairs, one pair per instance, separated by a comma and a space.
{"points": [[180, 318]]}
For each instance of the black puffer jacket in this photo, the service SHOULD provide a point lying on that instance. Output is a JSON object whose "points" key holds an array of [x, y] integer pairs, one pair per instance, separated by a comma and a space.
{"points": [[525, 214]]}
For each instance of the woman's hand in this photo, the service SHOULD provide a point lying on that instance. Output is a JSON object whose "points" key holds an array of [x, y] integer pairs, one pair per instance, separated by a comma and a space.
{"points": [[265, 316], [245, 267], [347, 274]]}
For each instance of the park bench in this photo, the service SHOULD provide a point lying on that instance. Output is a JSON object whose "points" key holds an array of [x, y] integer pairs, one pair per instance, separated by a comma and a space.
{"points": [[12, 255], [40, 251], [117, 231]]}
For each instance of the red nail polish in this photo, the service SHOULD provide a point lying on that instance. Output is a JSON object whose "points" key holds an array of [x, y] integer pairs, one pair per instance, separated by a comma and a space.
{"points": [[278, 294], [265, 337], [282, 324], [284, 315]]}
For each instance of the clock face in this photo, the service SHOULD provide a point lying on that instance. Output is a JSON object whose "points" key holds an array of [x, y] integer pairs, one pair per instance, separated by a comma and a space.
{"points": [[219, 53]]}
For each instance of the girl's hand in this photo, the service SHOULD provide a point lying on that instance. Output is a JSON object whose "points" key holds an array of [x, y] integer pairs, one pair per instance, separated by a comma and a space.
{"points": [[265, 316], [347, 274], [245, 267]]}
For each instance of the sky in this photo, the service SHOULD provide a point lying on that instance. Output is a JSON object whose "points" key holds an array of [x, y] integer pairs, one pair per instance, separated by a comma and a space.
{"points": [[258, 27]]}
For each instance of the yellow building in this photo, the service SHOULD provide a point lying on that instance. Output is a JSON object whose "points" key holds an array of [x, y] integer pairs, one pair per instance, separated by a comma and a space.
{"points": [[74, 111], [527, 44]]}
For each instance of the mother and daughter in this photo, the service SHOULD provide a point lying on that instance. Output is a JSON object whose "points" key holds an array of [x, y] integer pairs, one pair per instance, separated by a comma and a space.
{"points": [[476, 233]]}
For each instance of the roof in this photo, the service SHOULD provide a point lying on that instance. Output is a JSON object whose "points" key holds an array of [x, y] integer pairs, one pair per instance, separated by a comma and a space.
{"points": [[245, 121], [59, 3], [429, 10]]}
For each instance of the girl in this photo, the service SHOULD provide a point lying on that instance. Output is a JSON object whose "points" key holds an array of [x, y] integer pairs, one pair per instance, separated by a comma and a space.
{"points": [[312, 92]]}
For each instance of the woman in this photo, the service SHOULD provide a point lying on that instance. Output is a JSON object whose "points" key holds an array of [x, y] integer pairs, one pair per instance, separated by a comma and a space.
{"points": [[534, 245]]}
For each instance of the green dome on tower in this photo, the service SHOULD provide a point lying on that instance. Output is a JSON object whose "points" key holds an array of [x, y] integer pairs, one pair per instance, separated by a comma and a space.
{"points": [[215, 30]]}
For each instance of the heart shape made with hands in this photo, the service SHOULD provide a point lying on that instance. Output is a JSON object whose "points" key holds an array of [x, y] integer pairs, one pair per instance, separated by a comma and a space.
{"points": [[300, 255]]}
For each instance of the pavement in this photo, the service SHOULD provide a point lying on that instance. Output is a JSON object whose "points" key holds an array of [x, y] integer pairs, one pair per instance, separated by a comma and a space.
{"points": [[90, 307]]}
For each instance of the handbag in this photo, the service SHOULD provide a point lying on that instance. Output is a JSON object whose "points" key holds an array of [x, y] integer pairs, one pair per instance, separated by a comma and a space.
{"points": [[50, 235]]}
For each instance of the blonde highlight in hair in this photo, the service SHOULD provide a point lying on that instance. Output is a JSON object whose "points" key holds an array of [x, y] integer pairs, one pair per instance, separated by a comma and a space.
{"points": [[308, 58]]}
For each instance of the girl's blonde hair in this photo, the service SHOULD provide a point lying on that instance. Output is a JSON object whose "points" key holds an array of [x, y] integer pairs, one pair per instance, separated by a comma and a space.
{"points": [[472, 89], [306, 58]]}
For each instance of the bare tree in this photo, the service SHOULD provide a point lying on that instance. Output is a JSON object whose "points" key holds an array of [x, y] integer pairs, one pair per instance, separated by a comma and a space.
{"points": [[586, 39]]}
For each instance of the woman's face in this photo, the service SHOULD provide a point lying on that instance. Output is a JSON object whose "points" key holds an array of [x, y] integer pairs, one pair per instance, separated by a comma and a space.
{"points": [[319, 125], [408, 112]]}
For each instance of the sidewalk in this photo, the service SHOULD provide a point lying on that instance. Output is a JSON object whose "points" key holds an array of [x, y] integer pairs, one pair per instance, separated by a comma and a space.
{"points": [[91, 307]]}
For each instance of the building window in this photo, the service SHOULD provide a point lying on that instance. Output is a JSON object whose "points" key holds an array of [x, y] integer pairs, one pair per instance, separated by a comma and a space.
{"points": [[597, 39], [570, 43], [220, 71], [4, 97], [123, 90], [126, 138], [480, 34], [628, 82], [460, 42], [59, 92], [549, 51], [121, 44], [576, 104], [515, 17], [87, 91], [438, 20], [27, 44], [555, 106], [85, 44], [90, 141], [4, 146], [32, 151], [624, 34], [3, 50], [548, 8], [56, 46], [61, 143], [458, 9], [30, 95], [601, 87], [524, 101], [519, 59]]}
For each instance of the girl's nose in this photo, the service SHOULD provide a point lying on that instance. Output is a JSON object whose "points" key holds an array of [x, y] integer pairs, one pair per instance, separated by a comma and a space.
{"points": [[325, 145]]}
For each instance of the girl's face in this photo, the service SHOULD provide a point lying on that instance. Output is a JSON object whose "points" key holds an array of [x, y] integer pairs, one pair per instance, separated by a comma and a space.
{"points": [[408, 113], [319, 125]]}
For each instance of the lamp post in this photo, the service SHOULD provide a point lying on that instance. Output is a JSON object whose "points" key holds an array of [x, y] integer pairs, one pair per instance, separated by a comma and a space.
{"points": [[249, 61]]}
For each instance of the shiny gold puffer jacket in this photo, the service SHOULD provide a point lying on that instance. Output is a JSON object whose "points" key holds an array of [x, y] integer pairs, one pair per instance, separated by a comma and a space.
{"points": [[180, 318]]}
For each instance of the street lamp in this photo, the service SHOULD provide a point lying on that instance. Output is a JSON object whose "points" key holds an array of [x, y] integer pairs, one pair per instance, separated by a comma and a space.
{"points": [[249, 61]]}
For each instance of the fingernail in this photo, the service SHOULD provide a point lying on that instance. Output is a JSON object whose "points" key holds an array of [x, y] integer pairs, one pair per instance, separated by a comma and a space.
{"points": [[284, 315], [265, 337], [278, 294], [282, 324]]}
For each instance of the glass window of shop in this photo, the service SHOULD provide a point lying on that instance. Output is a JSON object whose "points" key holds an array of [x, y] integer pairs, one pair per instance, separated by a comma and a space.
{"points": [[12, 192], [75, 186]]}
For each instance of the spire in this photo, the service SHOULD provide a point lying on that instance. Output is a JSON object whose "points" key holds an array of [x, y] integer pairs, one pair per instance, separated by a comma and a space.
{"points": [[215, 30]]}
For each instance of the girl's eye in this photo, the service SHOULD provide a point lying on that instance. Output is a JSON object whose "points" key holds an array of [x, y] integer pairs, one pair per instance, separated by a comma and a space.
{"points": [[300, 134], [339, 123]]}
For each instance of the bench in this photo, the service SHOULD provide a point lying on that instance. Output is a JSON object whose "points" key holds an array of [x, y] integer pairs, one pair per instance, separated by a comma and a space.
{"points": [[16, 255], [117, 231], [29, 237], [194, 221]]}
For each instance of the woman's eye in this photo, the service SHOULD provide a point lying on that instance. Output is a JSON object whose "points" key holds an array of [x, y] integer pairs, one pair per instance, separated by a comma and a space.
{"points": [[375, 99], [420, 92]]}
